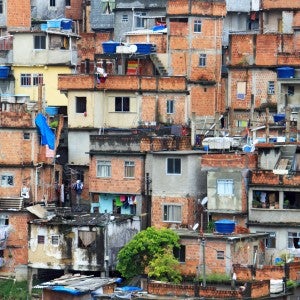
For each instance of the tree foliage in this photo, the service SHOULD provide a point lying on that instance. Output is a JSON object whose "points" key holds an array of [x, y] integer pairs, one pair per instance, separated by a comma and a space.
{"points": [[135, 257], [165, 267]]}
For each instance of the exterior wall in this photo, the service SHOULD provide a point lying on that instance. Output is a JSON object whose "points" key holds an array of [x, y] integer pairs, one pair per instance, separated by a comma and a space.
{"points": [[42, 10], [74, 11], [110, 238], [78, 147], [98, 19], [18, 15], [117, 183], [268, 158], [16, 251], [182, 189], [160, 40], [51, 95], [227, 166], [269, 4]]}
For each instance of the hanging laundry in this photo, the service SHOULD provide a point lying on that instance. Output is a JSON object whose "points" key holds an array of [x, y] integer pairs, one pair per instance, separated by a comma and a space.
{"points": [[118, 201], [131, 200], [123, 198]]}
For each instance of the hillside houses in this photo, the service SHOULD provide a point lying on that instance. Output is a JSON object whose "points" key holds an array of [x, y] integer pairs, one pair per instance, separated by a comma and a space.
{"points": [[130, 92]]}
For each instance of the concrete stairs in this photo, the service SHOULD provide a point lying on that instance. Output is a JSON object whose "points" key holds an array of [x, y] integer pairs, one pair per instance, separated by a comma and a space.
{"points": [[285, 162], [158, 65]]}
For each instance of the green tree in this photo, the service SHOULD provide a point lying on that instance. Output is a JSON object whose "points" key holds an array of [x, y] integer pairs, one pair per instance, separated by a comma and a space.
{"points": [[165, 267], [135, 257]]}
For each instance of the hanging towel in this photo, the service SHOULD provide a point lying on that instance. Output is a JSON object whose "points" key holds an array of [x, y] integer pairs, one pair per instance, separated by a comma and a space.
{"points": [[118, 202], [122, 198]]}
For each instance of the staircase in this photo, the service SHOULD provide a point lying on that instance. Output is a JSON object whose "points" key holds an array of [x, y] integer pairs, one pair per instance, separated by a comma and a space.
{"points": [[158, 64], [285, 162], [205, 125]]}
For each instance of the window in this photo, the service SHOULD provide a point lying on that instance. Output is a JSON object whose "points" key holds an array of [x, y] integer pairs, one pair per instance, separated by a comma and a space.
{"points": [[52, 3], [291, 90], [271, 240], [129, 169], [4, 220], [1, 6], [103, 168], [39, 42], [220, 255], [202, 60], [125, 18], [80, 104], [241, 90], [294, 240], [54, 240], [26, 135], [25, 79], [140, 22], [172, 213], [225, 187], [37, 79], [122, 104], [173, 166], [41, 239], [271, 88], [179, 253], [7, 180], [197, 26], [68, 2], [170, 106], [86, 239]]}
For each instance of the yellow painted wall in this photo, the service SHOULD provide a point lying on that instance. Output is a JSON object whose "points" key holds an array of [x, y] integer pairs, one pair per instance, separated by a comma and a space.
{"points": [[52, 95]]}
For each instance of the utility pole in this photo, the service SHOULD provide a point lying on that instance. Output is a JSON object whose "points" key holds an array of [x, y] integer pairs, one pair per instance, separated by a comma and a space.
{"points": [[203, 263]]}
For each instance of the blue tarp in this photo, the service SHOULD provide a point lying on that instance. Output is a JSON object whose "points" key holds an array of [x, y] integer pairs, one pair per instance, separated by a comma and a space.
{"points": [[60, 288], [47, 135]]}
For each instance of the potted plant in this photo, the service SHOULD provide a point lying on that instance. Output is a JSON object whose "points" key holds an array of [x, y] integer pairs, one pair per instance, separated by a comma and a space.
{"points": [[286, 203], [256, 203]]}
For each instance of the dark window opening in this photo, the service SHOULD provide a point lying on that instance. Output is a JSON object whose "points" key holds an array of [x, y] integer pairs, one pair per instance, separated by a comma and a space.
{"points": [[39, 42], [179, 253], [41, 239], [80, 104], [173, 166], [122, 104]]}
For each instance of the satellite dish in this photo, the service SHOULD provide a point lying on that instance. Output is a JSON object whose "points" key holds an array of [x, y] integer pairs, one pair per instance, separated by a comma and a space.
{"points": [[204, 201], [132, 48], [195, 226]]}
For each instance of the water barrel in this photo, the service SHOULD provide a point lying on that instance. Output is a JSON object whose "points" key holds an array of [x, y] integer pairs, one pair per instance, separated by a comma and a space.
{"points": [[285, 72], [110, 46], [51, 110], [225, 226], [4, 71], [66, 24]]}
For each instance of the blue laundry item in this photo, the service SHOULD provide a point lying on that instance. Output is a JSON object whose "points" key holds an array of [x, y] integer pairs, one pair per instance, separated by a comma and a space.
{"points": [[47, 135]]}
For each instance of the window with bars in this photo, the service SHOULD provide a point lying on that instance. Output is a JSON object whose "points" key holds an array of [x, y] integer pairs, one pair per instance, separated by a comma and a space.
{"points": [[197, 26], [140, 21], [80, 104], [125, 18], [37, 79], [225, 187], [122, 104], [25, 79], [173, 166], [39, 42], [202, 60], [171, 213], [271, 88], [41, 239], [104, 168], [220, 255], [129, 169], [55, 240], [52, 3]]}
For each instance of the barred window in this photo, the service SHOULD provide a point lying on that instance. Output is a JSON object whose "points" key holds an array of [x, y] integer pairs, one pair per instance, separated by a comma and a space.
{"points": [[25, 79], [129, 169]]}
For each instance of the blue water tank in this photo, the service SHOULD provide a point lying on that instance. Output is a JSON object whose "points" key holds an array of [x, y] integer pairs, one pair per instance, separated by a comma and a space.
{"points": [[110, 46], [225, 226], [51, 110], [285, 72]]}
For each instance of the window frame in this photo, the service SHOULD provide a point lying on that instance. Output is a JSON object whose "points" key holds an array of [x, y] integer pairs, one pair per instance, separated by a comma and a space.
{"points": [[197, 26], [170, 106], [291, 236], [180, 253], [1, 7], [171, 167], [291, 90], [202, 60], [55, 240], [52, 3], [4, 183], [80, 105], [122, 104], [68, 3], [129, 169], [39, 42], [140, 22], [106, 166], [271, 87], [25, 79], [220, 255], [172, 213], [37, 78], [40, 239], [222, 190], [125, 18]]}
